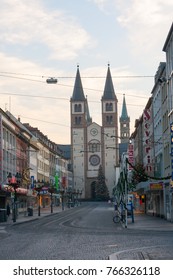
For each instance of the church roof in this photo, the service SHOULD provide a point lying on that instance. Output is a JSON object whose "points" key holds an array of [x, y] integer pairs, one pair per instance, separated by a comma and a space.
{"points": [[89, 119], [78, 93], [109, 93], [124, 115]]}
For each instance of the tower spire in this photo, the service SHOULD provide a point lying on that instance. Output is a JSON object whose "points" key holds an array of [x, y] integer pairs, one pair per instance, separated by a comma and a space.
{"points": [[124, 123], [124, 115], [109, 92], [78, 93]]}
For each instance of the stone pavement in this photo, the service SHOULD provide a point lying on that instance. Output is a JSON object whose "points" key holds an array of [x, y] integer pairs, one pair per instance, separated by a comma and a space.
{"points": [[23, 217], [146, 223], [142, 223]]}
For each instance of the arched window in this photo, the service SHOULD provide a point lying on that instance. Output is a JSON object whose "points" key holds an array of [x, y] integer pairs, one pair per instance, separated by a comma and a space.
{"points": [[109, 107], [78, 120], [77, 107], [94, 146], [109, 119]]}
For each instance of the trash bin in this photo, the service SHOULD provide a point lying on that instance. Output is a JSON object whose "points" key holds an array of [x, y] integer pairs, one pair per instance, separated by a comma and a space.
{"points": [[3, 215], [30, 211]]}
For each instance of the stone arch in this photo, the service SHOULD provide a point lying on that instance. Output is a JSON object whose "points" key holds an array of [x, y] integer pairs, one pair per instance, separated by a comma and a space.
{"points": [[93, 190]]}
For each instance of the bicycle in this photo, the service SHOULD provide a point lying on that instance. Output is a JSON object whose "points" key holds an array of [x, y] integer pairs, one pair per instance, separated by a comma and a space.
{"points": [[117, 217]]}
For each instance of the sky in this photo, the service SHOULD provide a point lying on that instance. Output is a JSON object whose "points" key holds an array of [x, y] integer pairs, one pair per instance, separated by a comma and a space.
{"points": [[49, 38]]}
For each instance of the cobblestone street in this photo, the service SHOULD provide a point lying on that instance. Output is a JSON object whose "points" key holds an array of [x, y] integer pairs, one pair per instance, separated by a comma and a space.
{"points": [[86, 232]]}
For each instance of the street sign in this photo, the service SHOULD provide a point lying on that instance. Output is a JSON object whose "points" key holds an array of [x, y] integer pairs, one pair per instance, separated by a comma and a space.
{"points": [[171, 127], [32, 182]]}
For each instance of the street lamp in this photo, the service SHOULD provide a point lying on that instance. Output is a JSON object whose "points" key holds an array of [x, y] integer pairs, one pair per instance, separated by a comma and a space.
{"points": [[38, 187], [69, 194], [62, 197], [80, 194], [73, 196], [77, 197], [51, 190], [14, 182], [51, 80]]}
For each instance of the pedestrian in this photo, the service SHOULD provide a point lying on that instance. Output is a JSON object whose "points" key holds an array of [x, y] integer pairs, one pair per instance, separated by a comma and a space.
{"points": [[115, 206], [8, 210]]}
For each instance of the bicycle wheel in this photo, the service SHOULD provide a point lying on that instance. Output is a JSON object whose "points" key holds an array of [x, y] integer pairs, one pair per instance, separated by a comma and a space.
{"points": [[116, 219]]}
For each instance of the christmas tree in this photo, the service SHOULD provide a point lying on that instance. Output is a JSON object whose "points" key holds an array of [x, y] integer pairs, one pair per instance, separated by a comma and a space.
{"points": [[102, 192]]}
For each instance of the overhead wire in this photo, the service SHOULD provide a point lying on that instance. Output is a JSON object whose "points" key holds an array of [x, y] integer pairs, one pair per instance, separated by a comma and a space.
{"points": [[21, 78], [9, 75], [83, 77], [44, 121]]}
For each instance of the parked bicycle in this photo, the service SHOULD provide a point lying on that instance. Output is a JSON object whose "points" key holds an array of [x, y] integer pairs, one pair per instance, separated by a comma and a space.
{"points": [[119, 217]]}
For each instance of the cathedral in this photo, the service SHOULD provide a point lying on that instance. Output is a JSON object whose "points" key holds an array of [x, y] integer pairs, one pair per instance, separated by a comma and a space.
{"points": [[93, 145]]}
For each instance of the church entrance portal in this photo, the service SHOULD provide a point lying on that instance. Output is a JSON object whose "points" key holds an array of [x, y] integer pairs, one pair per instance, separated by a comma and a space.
{"points": [[93, 190]]}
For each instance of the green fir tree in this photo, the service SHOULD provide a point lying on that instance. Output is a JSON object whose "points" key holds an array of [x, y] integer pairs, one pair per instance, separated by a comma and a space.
{"points": [[102, 192]]}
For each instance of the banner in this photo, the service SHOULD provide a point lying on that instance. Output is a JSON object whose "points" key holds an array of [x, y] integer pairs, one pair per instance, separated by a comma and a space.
{"points": [[57, 182]]}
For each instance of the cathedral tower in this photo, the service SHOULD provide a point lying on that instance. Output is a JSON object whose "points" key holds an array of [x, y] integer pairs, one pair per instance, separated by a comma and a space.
{"points": [[80, 119], [124, 123], [109, 132], [93, 145]]}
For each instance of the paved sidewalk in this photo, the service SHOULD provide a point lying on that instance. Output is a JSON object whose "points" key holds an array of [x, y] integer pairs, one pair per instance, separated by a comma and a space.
{"points": [[146, 223], [141, 222], [23, 217]]}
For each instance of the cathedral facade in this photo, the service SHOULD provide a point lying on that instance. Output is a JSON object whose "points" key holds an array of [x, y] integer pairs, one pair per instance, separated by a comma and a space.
{"points": [[93, 145]]}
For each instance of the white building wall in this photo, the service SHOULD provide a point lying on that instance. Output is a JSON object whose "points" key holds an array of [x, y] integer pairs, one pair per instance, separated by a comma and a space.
{"points": [[93, 136], [169, 75], [78, 159], [110, 151], [33, 162]]}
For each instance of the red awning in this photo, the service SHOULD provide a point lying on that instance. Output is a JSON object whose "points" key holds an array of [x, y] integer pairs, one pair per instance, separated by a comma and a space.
{"points": [[8, 188]]}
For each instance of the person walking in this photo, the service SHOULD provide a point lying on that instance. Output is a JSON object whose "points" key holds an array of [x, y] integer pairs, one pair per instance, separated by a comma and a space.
{"points": [[115, 206], [8, 210]]}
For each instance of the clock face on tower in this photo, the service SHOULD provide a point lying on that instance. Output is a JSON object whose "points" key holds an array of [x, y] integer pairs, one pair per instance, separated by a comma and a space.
{"points": [[93, 131], [94, 160]]}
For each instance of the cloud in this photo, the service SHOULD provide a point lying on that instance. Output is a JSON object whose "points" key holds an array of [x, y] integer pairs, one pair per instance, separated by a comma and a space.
{"points": [[52, 115], [17, 91], [132, 88], [100, 3], [146, 22], [28, 22]]}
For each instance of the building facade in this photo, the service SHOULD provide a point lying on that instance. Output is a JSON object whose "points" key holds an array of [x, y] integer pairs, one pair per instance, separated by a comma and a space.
{"points": [[27, 154], [153, 140], [93, 145]]}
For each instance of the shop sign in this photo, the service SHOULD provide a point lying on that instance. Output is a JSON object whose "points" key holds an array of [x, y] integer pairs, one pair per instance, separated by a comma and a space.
{"points": [[156, 186], [171, 132], [147, 136], [32, 182], [130, 156], [8, 188], [1, 149], [43, 192]]}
